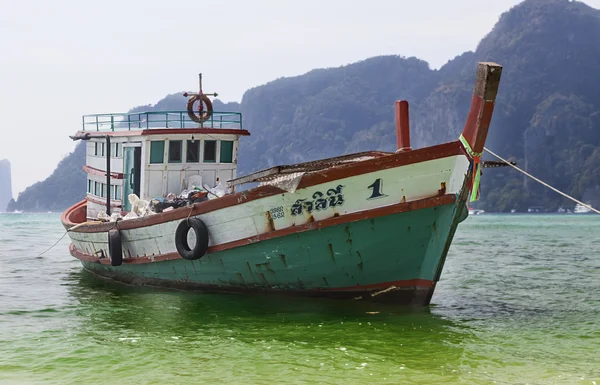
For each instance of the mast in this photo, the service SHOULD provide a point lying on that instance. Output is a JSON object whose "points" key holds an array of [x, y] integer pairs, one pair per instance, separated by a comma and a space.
{"points": [[108, 175]]}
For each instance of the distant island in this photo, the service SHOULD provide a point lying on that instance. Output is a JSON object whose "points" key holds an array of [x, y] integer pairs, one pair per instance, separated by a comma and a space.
{"points": [[5, 184], [547, 115]]}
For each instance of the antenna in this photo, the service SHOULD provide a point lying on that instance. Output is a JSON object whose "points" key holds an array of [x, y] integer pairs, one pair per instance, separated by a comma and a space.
{"points": [[202, 99]]}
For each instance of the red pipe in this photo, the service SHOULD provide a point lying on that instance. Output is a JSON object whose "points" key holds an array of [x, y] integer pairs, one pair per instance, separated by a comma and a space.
{"points": [[402, 126]]}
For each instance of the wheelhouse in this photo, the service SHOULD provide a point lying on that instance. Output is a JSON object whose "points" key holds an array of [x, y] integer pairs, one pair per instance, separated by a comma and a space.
{"points": [[154, 154]]}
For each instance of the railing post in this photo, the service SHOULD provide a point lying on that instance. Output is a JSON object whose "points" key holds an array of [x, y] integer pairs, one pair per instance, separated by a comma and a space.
{"points": [[147, 121], [97, 128], [83, 123], [181, 119], [112, 122], [129, 122]]}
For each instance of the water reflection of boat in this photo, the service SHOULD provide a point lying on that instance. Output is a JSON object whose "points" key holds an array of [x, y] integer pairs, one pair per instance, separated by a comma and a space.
{"points": [[113, 311]]}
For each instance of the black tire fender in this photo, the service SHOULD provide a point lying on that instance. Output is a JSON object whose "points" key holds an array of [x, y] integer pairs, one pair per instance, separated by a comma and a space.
{"points": [[115, 247], [181, 236]]}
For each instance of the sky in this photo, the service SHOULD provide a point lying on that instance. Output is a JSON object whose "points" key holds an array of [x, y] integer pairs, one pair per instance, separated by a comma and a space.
{"points": [[63, 59]]}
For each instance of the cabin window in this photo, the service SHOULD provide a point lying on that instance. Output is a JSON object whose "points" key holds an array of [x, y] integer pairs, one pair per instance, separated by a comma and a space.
{"points": [[103, 190], [210, 151], [193, 151], [174, 151], [96, 188], [99, 148], [115, 150], [157, 151], [226, 155], [115, 192]]}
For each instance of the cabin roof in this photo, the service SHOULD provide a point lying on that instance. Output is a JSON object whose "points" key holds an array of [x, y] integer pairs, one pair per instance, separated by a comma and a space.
{"points": [[159, 123], [277, 172], [85, 135]]}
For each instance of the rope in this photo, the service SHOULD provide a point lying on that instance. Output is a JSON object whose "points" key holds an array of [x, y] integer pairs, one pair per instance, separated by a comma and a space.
{"points": [[48, 249], [542, 182], [476, 168], [190, 213]]}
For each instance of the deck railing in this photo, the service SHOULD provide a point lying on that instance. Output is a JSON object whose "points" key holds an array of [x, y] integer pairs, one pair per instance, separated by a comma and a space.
{"points": [[158, 119]]}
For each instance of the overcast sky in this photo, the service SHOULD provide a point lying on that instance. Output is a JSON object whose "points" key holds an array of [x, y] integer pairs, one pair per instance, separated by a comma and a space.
{"points": [[62, 59]]}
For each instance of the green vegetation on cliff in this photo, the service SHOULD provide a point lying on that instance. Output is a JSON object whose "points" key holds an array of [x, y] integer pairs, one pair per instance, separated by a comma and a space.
{"points": [[64, 187], [547, 115]]}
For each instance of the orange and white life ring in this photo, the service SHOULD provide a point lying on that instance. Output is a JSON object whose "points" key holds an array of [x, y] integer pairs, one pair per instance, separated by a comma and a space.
{"points": [[195, 115]]}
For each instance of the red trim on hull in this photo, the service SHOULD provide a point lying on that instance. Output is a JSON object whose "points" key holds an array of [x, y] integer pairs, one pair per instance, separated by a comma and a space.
{"points": [[362, 215], [382, 163], [74, 214], [94, 171], [386, 285], [414, 292], [482, 105]]}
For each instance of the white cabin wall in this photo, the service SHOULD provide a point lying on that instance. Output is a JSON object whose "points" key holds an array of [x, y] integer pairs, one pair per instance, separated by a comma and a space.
{"points": [[158, 180], [153, 189], [165, 178], [99, 161]]}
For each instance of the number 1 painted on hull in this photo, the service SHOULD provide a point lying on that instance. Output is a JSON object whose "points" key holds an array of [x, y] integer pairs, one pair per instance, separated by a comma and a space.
{"points": [[377, 187]]}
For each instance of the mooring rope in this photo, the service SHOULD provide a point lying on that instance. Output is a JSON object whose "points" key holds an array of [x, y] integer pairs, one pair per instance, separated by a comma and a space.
{"points": [[541, 182], [48, 249]]}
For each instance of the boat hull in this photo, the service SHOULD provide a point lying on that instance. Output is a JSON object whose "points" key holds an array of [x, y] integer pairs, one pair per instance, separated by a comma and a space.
{"points": [[390, 258]]}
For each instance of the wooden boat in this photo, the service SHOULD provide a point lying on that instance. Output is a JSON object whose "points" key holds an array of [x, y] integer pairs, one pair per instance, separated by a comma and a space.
{"points": [[368, 226]]}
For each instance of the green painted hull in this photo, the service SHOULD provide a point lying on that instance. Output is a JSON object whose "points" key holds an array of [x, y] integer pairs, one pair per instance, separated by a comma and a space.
{"points": [[395, 258]]}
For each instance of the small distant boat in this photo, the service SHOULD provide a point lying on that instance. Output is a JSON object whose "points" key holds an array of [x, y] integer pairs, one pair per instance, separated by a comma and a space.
{"points": [[512, 211], [581, 209], [536, 209], [373, 226], [476, 211]]}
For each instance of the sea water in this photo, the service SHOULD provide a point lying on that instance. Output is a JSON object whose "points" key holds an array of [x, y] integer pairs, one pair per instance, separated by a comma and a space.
{"points": [[518, 303]]}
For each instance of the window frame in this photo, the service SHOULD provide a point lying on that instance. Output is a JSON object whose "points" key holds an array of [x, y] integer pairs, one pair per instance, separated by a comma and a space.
{"points": [[180, 160], [221, 151], [198, 143], [162, 152], [204, 160]]}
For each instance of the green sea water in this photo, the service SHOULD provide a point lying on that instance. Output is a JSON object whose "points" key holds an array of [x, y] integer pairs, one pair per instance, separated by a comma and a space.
{"points": [[518, 303]]}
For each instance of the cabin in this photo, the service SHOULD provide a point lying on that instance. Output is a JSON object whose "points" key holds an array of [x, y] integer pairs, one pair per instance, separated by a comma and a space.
{"points": [[154, 154]]}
